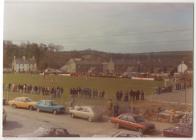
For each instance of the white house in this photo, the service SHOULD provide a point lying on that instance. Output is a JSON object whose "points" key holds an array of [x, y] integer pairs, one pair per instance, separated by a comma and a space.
{"points": [[24, 65], [182, 67]]}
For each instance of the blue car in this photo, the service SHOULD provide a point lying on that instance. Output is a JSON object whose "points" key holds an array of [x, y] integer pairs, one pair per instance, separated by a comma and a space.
{"points": [[49, 106]]}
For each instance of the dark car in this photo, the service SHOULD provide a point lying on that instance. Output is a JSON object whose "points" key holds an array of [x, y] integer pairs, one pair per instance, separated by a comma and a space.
{"points": [[50, 132], [133, 122], [179, 131], [49, 106]]}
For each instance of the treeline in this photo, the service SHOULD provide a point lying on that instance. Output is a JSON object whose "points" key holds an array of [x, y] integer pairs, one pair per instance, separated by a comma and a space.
{"points": [[53, 56]]}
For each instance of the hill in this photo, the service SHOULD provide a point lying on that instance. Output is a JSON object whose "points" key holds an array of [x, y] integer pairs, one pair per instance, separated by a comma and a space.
{"points": [[50, 56]]}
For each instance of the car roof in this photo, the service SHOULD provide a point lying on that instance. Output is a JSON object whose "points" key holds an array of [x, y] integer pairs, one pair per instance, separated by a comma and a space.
{"points": [[129, 114]]}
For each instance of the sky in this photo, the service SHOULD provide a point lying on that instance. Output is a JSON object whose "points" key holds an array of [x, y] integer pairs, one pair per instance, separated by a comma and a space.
{"points": [[109, 27]]}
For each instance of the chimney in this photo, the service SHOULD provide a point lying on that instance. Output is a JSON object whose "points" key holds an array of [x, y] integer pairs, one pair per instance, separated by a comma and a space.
{"points": [[14, 57], [23, 57], [33, 58]]}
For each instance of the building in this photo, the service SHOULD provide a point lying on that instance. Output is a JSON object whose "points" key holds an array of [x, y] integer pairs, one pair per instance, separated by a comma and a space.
{"points": [[87, 66], [24, 65], [109, 67], [182, 67]]}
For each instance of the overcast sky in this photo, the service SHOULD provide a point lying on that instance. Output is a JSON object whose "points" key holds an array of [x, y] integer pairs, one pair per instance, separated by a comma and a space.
{"points": [[111, 27]]}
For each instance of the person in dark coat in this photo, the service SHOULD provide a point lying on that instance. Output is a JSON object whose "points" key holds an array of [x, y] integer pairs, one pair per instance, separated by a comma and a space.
{"points": [[115, 110], [126, 97], [131, 95], [134, 96], [142, 95], [137, 95]]}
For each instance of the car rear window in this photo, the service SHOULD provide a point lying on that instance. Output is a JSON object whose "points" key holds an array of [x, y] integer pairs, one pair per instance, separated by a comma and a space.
{"points": [[139, 119]]}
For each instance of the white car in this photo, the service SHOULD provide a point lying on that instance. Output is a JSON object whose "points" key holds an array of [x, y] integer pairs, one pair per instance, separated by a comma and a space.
{"points": [[86, 112]]}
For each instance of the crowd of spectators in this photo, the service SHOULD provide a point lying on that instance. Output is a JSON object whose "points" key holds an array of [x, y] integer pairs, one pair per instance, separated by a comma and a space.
{"points": [[131, 95], [34, 89], [87, 92]]}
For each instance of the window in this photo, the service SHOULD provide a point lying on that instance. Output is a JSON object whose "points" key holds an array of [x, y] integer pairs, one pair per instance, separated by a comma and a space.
{"points": [[48, 103], [131, 119], [85, 110], [28, 100], [123, 117], [139, 119]]}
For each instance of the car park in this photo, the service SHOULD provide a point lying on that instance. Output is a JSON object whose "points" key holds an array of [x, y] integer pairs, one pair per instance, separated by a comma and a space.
{"points": [[86, 112], [22, 102], [49, 106], [133, 122]]}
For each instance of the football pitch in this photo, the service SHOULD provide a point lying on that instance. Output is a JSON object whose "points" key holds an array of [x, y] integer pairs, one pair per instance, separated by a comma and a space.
{"points": [[109, 85]]}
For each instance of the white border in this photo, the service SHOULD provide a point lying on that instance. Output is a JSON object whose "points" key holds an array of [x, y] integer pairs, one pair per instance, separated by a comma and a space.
{"points": [[121, 1]]}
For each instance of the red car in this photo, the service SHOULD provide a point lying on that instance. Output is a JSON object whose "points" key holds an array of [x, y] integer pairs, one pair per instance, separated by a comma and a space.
{"points": [[179, 131], [133, 122]]}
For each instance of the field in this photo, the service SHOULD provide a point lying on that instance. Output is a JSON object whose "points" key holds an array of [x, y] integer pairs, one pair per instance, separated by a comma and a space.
{"points": [[109, 85]]}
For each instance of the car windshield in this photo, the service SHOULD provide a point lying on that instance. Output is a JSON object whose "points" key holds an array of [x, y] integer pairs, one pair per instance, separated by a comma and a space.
{"points": [[28, 100], [52, 103], [139, 119]]}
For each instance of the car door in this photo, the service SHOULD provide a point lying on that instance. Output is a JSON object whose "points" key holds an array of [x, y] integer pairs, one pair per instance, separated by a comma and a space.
{"points": [[47, 106], [81, 112], [41, 105], [131, 123], [24, 103], [86, 113], [19, 102], [122, 121]]}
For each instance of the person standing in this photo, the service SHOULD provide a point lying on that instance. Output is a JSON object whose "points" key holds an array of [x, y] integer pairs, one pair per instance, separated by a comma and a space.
{"points": [[115, 110], [142, 95]]}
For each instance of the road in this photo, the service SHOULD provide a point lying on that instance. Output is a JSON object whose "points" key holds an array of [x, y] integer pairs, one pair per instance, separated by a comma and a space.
{"points": [[21, 121]]}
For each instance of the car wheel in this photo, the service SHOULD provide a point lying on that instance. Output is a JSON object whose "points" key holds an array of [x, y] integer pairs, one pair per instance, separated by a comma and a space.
{"points": [[90, 119], [14, 106], [54, 112], [38, 110], [72, 115], [30, 107]]}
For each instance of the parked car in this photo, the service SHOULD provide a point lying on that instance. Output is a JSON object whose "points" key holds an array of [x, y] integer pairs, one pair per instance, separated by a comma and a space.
{"points": [[4, 116], [87, 112], [133, 122], [49, 106], [179, 131], [50, 132], [22, 102]]}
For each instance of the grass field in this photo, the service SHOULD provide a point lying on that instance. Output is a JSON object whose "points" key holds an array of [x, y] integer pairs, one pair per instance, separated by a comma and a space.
{"points": [[110, 85]]}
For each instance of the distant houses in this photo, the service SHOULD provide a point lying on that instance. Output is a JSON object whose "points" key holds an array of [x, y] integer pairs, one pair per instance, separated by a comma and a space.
{"points": [[96, 67], [89, 66], [82, 66], [24, 65], [116, 67]]}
